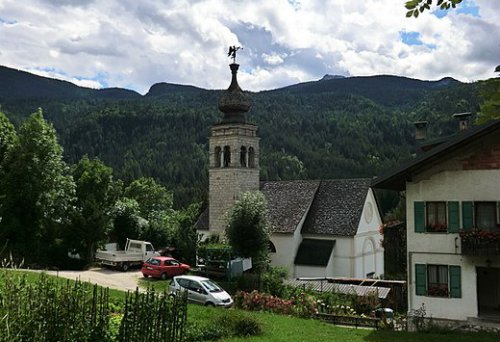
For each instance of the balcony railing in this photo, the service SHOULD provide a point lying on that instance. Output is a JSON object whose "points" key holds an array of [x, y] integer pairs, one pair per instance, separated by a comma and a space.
{"points": [[480, 243]]}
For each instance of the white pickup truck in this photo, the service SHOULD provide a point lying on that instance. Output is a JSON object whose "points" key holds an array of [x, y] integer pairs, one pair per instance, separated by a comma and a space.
{"points": [[135, 253]]}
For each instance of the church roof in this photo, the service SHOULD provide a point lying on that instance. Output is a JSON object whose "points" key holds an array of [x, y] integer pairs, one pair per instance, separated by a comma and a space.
{"points": [[337, 207], [287, 202], [331, 207]]}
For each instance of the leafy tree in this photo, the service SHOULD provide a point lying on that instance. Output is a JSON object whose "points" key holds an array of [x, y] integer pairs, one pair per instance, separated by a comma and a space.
{"points": [[96, 195], [490, 96], [247, 229], [186, 239], [8, 136], [415, 7], [128, 223], [38, 191], [151, 196], [161, 228]]}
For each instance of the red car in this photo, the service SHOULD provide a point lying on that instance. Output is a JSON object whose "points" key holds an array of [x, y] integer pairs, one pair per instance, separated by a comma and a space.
{"points": [[163, 267]]}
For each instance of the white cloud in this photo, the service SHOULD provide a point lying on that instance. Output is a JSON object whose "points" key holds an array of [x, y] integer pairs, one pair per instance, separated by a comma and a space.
{"points": [[129, 43]]}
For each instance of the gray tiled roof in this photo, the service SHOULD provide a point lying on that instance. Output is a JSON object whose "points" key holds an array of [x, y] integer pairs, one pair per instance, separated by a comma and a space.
{"points": [[337, 207], [287, 202], [335, 210]]}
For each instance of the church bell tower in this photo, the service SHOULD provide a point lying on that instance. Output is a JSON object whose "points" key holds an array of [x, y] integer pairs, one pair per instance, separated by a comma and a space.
{"points": [[234, 155]]}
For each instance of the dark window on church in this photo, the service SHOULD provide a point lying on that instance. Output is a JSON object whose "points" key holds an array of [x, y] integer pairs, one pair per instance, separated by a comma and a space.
{"points": [[217, 156], [243, 156], [251, 157], [227, 156]]}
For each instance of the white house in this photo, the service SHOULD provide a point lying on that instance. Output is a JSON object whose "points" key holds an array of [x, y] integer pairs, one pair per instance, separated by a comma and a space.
{"points": [[453, 225]]}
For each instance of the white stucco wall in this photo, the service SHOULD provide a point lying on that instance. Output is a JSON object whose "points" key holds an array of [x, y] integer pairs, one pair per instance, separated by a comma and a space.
{"points": [[444, 248], [286, 249], [368, 250]]}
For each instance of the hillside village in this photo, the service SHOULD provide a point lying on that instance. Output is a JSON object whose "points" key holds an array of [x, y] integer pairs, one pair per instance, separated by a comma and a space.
{"points": [[328, 231], [351, 207]]}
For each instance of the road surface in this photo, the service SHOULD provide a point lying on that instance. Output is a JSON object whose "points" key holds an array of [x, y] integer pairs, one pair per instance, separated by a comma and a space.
{"points": [[104, 277]]}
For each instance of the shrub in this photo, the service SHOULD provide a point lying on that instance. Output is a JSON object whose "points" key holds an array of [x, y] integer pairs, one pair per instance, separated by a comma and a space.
{"points": [[247, 326]]}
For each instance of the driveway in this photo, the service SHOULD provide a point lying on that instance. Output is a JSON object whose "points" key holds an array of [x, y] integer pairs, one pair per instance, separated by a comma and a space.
{"points": [[104, 277]]}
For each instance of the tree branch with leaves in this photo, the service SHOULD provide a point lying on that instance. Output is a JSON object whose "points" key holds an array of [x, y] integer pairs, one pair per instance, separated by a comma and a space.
{"points": [[415, 7]]}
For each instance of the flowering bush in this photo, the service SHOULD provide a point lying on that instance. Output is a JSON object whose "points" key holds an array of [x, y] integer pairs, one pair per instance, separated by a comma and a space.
{"points": [[437, 227], [440, 290], [479, 234], [302, 305]]}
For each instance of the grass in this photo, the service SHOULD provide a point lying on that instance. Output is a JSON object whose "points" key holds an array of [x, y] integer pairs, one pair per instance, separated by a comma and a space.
{"points": [[278, 328], [157, 284]]}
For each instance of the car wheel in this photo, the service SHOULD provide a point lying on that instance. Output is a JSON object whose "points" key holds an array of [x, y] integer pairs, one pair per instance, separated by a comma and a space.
{"points": [[125, 267], [210, 304], [145, 275], [164, 276]]}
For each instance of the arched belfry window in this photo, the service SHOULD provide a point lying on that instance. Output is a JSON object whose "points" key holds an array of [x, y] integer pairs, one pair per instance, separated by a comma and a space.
{"points": [[243, 156], [251, 157], [217, 156], [227, 156]]}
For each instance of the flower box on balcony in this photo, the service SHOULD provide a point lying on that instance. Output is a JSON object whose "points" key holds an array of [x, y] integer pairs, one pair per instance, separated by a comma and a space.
{"points": [[480, 242]]}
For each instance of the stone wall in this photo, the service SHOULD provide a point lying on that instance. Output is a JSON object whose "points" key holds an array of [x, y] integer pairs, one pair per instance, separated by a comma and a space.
{"points": [[226, 184]]}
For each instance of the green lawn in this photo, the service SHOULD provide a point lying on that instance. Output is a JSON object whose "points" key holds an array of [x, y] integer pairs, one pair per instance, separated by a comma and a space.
{"points": [[290, 329], [283, 328]]}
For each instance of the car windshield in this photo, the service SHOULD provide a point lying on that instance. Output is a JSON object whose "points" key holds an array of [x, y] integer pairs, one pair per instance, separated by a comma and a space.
{"points": [[210, 286]]}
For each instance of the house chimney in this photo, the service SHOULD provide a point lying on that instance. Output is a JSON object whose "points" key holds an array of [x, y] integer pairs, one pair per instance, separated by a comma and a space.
{"points": [[420, 130], [463, 120]]}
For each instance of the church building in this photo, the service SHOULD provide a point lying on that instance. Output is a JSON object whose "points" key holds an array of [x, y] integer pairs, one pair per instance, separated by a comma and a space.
{"points": [[319, 228]]}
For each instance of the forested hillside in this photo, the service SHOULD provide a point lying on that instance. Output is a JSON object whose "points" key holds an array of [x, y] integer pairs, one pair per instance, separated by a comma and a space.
{"points": [[346, 127]]}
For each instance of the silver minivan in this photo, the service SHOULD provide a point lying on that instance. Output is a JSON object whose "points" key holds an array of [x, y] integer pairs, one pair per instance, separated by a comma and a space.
{"points": [[201, 290]]}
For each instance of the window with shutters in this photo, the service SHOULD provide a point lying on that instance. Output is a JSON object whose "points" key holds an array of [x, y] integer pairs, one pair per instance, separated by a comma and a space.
{"points": [[438, 280], [437, 217]]}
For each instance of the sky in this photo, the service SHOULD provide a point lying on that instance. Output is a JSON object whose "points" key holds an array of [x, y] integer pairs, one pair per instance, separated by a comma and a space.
{"points": [[135, 43]]}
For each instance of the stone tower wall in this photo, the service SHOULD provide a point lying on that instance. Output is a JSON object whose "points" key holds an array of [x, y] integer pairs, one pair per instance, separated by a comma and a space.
{"points": [[226, 184]]}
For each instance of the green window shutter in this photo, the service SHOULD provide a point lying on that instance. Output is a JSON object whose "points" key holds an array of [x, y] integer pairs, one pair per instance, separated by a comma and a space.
{"points": [[455, 282], [420, 279], [419, 212], [467, 215], [453, 217]]}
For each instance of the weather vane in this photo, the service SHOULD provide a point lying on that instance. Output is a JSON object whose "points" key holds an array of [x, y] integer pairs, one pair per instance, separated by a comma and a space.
{"points": [[232, 52]]}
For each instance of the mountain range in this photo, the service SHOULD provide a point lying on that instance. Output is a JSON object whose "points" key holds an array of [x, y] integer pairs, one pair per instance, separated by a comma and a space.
{"points": [[331, 128]]}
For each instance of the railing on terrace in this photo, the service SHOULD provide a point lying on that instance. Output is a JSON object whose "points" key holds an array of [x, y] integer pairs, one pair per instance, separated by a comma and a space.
{"points": [[480, 243]]}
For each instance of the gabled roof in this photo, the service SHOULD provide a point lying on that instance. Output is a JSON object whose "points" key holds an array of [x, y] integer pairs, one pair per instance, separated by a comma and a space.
{"points": [[396, 179], [314, 252], [331, 207], [287, 202], [337, 207]]}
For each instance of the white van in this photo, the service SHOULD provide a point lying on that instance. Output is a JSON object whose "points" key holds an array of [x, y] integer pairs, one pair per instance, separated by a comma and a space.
{"points": [[201, 290]]}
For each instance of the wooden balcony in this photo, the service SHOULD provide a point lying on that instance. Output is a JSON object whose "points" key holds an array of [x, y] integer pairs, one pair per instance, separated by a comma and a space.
{"points": [[480, 243]]}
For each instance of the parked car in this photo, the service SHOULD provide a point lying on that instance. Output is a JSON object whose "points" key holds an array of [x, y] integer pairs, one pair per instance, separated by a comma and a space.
{"points": [[163, 267], [201, 290]]}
